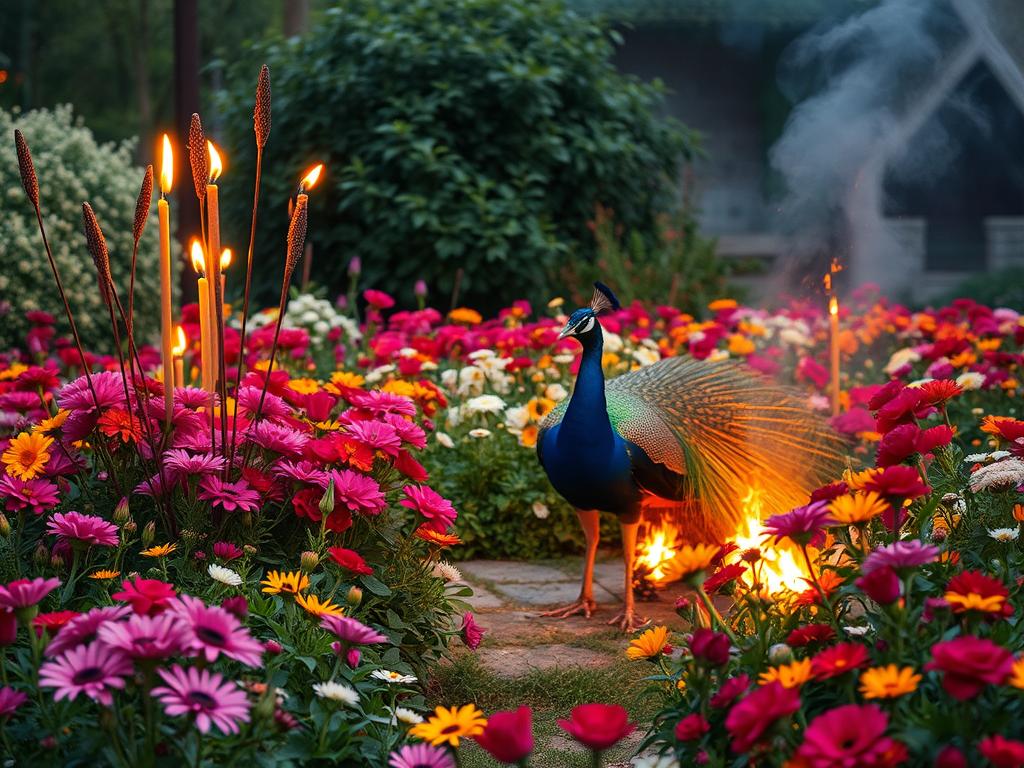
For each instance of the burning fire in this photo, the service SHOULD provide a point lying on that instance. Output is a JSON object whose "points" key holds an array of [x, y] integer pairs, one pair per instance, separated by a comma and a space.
{"points": [[777, 571]]}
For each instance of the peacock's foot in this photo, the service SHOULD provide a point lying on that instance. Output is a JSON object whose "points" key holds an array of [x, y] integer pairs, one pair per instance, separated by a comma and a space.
{"points": [[628, 621], [585, 605]]}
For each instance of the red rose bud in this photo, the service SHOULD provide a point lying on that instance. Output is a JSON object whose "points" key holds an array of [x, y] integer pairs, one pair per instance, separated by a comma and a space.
{"points": [[950, 757], [236, 604], [272, 647], [691, 727], [709, 646], [352, 657], [882, 585], [598, 726], [508, 735]]}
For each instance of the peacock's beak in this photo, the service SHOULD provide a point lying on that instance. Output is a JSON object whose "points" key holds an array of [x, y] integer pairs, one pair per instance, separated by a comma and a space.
{"points": [[567, 331]]}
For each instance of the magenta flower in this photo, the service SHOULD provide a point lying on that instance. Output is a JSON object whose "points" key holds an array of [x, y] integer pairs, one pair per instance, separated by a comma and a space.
{"points": [[225, 550], [352, 631], [146, 637], [83, 629], [378, 299], [37, 495], [77, 397], [300, 472], [10, 700], [205, 695], [376, 435], [378, 402], [75, 527], [213, 631], [229, 496], [358, 492], [181, 462], [421, 756], [900, 554], [434, 508], [92, 669], [802, 525], [273, 406], [191, 397], [277, 438], [472, 633], [150, 596], [24, 593], [408, 431]]}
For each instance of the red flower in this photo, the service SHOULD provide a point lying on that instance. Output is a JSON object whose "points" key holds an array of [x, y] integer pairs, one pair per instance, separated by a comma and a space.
{"points": [[1002, 753], [692, 727], [939, 391], [724, 575], [838, 660], [598, 726], [897, 482], [851, 735], [830, 492], [810, 633], [508, 735], [885, 394], [53, 621], [472, 633], [899, 410], [969, 664], [906, 440], [709, 646], [757, 712], [882, 585], [731, 688], [148, 596], [976, 591], [950, 757], [350, 560]]}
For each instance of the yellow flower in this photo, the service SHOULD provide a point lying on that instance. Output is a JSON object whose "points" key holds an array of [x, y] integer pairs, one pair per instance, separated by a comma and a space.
{"points": [[161, 550], [304, 386], [313, 605], [850, 510], [888, 682], [528, 437], [289, 583], [465, 315], [345, 379], [333, 425], [539, 407], [448, 724], [104, 575], [1017, 674], [973, 601], [740, 345], [13, 372], [691, 560], [791, 675], [649, 645], [719, 304], [857, 480], [52, 424], [26, 455]]}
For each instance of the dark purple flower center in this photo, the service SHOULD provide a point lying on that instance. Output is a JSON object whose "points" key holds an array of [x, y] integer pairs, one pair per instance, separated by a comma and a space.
{"points": [[88, 675], [210, 636], [201, 698]]}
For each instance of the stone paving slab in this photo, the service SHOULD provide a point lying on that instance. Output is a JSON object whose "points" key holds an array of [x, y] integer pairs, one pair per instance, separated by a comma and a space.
{"points": [[516, 661], [513, 571], [549, 594], [483, 598]]}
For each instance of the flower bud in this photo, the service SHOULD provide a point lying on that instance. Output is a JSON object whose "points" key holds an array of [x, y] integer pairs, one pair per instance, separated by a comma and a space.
{"points": [[57, 563], [308, 561], [780, 653], [682, 606], [121, 512], [149, 534], [354, 596], [272, 647], [5, 525], [352, 657], [42, 555], [129, 529], [327, 500], [48, 742], [355, 266], [238, 605], [249, 549], [420, 289]]}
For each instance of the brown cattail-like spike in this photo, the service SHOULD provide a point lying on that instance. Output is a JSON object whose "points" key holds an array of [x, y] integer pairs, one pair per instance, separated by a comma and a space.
{"points": [[142, 205], [261, 115], [28, 170], [97, 245], [198, 156], [296, 236]]}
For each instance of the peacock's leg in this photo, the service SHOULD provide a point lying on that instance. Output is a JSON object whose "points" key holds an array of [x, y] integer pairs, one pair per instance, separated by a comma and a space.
{"points": [[590, 520], [627, 621]]}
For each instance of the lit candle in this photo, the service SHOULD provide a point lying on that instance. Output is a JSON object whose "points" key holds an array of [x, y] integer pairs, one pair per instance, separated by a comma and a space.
{"points": [[199, 265], [213, 247], [179, 357], [833, 316], [225, 262], [164, 212]]}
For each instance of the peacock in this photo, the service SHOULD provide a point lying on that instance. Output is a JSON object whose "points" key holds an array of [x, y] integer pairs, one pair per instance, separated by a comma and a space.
{"points": [[689, 431]]}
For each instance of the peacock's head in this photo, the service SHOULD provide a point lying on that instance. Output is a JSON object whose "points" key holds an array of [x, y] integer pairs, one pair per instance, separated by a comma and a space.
{"points": [[583, 321]]}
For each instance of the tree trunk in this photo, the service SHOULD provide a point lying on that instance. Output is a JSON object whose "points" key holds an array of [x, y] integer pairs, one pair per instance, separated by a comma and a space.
{"points": [[186, 101], [296, 17]]}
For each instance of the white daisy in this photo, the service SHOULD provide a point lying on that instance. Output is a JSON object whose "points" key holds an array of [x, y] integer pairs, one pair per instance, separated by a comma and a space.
{"points": [[224, 575], [479, 433], [555, 392], [540, 510], [517, 417], [1004, 535], [485, 404], [444, 439], [856, 631], [999, 475], [970, 380], [407, 716], [336, 692], [392, 677], [445, 570], [666, 761]]}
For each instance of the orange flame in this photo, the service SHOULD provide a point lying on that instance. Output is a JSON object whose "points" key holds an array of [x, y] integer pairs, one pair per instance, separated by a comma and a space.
{"points": [[166, 167], [657, 550], [225, 259], [833, 306], [182, 344], [311, 177], [216, 166], [198, 259], [777, 570]]}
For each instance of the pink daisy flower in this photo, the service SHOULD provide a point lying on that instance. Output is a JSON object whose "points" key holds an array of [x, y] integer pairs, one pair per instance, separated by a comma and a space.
{"points": [[88, 529], [191, 397], [375, 434], [225, 550], [277, 438], [77, 398], [37, 495], [352, 631], [149, 596], [421, 756], [408, 431], [24, 593], [229, 496], [899, 555], [92, 669], [146, 637], [274, 407], [802, 525], [214, 631], [83, 628], [204, 694], [184, 463], [379, 402], [435, 509], [358, 492], [300, 472], [472, 633], [10, 700]]}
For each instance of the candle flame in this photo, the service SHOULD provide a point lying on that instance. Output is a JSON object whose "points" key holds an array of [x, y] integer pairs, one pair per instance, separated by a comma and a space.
{"points": [[179, 348], [166, 167], [216, 166], [311, 177], [833, 306], [198, 259], [225, 259]]}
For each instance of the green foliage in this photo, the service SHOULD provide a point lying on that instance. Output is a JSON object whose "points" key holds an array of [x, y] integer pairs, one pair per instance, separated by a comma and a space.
{"points": [[996, 289], [72, 168], [477, 135]]}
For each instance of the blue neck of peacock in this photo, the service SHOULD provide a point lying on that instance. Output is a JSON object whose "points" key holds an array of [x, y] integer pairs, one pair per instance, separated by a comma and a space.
{"points": [[586, 418]]}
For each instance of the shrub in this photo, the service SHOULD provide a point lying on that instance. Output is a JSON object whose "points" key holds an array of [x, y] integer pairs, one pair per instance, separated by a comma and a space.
{"points": [[477, 134], [72, 168]]}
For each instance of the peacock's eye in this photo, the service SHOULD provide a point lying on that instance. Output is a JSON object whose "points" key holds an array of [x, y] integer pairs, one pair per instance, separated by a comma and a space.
{"points": [[588, 325]]}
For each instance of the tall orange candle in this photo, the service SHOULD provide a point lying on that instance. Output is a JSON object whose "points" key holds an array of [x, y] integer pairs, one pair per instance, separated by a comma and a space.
{"points": [[213, 248], [164, 212], [205, 367], [833, 317]]}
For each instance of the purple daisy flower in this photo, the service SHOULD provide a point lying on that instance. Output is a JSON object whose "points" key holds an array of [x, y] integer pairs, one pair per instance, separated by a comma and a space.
{"points": [[77, 398], [802, 524], [899, 555], [191, 397], [24, 593], [229, 496], [213, 631], [83, 628], [87, 529], [421, 756], [352, 631], [36, 495], [10, 700], [146, 637], [204, 694], [184, 463], [90, 669]]}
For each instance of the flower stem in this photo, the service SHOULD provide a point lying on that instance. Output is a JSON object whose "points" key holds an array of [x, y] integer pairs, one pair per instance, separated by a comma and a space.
{"points": [[716, 617]]}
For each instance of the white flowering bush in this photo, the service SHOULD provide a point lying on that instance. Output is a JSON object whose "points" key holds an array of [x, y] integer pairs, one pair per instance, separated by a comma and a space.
{"points": [[319, 317], [73, 168]]}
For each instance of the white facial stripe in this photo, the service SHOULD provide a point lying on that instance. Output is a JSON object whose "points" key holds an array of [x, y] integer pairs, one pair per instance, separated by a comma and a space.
{"points": [[587, 327]]}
